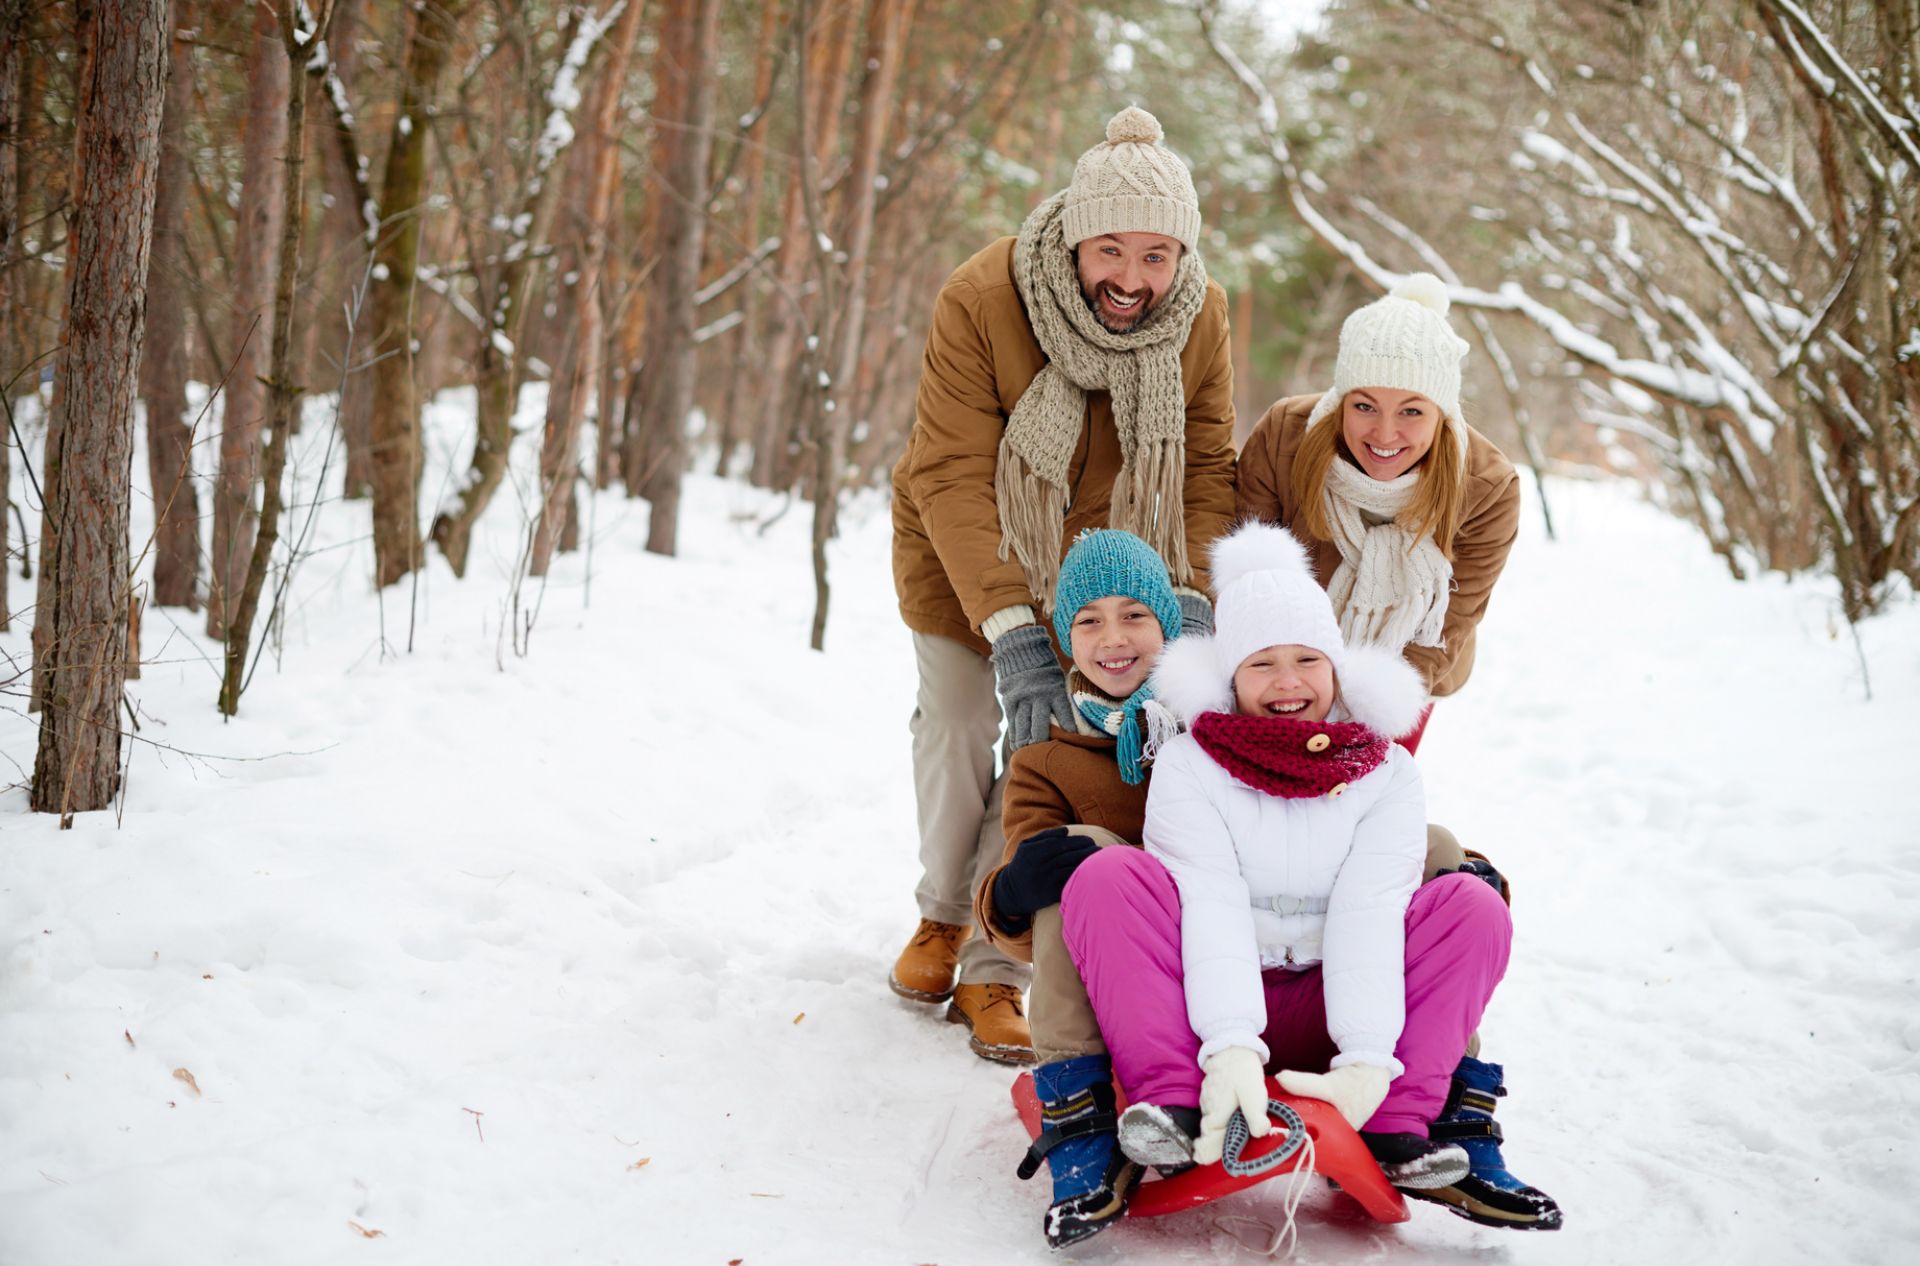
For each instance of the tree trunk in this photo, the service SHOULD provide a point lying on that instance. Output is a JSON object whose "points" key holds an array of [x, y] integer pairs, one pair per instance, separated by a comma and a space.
{"points": [[255, 237], [668, 383], [342, 327], [499, 357], [747, 342], [283, 393], [577, 367], [163, 361], [13, 29], [80, 625], [887, 22], [394, 429], [773, 465]]}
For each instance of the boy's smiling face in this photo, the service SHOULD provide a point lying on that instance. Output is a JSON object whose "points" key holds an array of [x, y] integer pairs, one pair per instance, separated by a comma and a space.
{"points": [[1115, 642], [1284, 681]]}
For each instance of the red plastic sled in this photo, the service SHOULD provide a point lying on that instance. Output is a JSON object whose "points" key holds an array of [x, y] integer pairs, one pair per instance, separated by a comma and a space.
{"points": [[1338, 1153]]}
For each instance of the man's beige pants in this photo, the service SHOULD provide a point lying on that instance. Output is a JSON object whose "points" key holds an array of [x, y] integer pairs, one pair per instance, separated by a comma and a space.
{"points": [[956, 725]]}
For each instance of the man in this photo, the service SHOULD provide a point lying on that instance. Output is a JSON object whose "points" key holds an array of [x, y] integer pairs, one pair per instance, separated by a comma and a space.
{"points": [[1075, 376]]}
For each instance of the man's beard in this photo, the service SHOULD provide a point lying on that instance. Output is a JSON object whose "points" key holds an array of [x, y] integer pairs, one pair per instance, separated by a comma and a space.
{"points": [[1128, 324]]}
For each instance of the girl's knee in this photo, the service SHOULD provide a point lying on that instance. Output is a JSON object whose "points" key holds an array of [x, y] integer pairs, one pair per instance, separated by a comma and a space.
{"points": [[1464, 902]]}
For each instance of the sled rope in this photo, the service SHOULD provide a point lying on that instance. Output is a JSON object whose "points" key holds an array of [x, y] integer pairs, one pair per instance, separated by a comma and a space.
{"points": [[1287, 1234]]}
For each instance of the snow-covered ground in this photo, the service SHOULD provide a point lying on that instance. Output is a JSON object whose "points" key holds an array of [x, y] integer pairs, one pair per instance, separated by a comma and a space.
{"points": [[579, 955]]}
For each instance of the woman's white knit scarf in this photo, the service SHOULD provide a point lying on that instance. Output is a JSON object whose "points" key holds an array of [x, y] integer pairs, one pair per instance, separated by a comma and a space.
{"points": [[1391, 587], [1140, 370]]}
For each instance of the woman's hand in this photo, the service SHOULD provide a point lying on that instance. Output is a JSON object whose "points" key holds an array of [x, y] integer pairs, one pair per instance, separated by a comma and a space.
{"points": [[1356, 1090], [1234, 1079]]}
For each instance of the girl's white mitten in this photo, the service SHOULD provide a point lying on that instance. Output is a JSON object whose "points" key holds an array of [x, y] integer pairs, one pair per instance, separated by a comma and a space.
{"points": [[1234, 1079], [1356, 1090]]}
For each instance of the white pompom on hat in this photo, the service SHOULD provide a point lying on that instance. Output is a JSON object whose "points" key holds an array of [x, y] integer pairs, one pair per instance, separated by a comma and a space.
{"points": [[1265, 594], [1405, 342], [1131, 183]]}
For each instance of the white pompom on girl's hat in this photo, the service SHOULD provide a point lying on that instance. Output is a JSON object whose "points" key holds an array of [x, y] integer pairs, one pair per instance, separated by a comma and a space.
{"points": [[1403, 341], [1265, 595]]}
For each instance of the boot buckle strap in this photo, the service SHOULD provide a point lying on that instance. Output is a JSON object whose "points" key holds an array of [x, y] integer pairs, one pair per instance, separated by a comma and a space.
{"points": [[1054, 1136], [1467, 1128]]}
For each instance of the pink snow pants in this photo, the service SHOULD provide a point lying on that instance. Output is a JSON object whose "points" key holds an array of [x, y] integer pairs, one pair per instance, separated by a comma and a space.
{"points": [[1120, 916]]}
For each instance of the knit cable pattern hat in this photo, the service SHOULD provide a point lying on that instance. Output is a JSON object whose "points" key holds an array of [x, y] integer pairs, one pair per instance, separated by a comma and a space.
{"points": [[1402, 341], [1107, 563], [1132, 184]]}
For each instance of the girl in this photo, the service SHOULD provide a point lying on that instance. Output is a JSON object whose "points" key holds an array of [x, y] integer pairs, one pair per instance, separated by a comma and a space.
{"points": [[1277, 917], [1408, 512]]}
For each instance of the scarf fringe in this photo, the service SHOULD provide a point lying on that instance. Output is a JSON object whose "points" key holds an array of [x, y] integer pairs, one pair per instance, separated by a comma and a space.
{"points": [[1033, 518], [1149, 501]]}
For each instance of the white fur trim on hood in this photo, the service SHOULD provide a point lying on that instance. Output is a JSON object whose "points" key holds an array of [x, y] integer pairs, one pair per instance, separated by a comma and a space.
{"points": [[1188, 678], [1381, 691]]}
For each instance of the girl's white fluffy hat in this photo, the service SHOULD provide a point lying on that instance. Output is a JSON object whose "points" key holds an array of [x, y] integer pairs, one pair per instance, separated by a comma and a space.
{"points": [[1402, 341], [1265, 595]]}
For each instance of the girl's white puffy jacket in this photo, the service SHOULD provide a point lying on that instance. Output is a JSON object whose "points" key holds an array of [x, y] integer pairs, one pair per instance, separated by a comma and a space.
{"points": [[1231, 849]]}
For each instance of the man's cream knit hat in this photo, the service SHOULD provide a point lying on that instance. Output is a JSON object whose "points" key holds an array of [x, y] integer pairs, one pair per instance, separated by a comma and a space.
{"points": [[1402, 341], [1132, 184]]}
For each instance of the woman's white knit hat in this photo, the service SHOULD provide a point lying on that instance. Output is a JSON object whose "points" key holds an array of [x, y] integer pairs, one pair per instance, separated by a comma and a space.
{"points": [[1402, 341], [1130, 183]]}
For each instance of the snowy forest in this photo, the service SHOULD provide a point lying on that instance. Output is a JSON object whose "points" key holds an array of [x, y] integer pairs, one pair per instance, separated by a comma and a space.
{"points": [[455, 705]]}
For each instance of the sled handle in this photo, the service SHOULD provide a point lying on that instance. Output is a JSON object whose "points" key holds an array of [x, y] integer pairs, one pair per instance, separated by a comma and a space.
{"points": [[1238, 1135]]}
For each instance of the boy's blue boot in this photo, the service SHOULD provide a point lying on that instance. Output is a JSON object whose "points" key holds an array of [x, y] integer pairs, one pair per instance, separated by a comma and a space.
{"points": [[1489, 1194], [1092, 1179]]}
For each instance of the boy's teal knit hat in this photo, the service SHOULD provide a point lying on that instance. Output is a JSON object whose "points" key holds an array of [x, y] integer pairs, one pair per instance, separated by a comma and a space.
{"points": [[1108, 563]]}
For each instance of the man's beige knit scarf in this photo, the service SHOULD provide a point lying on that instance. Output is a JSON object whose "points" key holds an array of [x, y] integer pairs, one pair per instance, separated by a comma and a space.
{"points": [[1390, 588], [1140, 370]]}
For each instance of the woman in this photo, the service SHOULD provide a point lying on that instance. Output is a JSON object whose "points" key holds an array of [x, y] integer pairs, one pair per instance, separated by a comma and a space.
{"points": [[1407, 512]]}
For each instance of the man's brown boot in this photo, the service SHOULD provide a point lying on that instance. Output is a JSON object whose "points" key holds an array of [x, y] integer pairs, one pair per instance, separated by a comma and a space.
{"points": [[998, 1021], [926, 969]]}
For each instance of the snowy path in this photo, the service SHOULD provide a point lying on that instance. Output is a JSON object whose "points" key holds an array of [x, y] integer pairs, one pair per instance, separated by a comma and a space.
{"points": [[582, 958]]}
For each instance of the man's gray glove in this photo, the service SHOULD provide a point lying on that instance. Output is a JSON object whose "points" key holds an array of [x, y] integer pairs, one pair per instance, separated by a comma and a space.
{"points": [[1032, 688], [1196, 613]]}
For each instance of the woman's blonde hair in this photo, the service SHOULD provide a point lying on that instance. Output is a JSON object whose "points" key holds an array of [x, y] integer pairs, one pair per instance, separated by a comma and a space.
{"points": [[1438, 502]]}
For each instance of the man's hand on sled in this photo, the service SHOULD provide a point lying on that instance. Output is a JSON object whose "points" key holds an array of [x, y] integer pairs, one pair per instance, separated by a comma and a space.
{"points": [[1038, 873], [1234, 1079], [1033, 690], [1356, 1090]]}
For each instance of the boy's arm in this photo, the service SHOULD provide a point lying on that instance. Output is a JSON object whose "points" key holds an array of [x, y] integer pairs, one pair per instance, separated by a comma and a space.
{"points": [[1033, 803]]}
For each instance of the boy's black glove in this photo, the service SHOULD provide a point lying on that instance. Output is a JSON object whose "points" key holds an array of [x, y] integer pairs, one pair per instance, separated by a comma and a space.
{"points": [[1480, 866], [1037, 875]]}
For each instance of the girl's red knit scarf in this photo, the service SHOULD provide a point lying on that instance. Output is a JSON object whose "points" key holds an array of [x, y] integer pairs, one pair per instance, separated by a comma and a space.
{"points": [[1290, 758]]}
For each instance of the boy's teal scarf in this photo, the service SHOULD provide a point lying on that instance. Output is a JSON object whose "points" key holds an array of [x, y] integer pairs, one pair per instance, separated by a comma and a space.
{"points": [[1122, 720]]}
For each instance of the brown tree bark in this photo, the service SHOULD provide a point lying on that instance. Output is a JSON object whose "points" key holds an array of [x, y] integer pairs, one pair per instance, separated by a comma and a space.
{"points": [[80, 626], [394, 430], [747, 342], [283, 393], [887, 23], [667, 386], [255, 237], [773, 466], [163, 361], [343, 266], [13, 29], [577, 366]]}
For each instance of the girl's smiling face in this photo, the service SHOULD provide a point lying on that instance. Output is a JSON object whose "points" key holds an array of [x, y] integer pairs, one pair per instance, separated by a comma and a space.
{"points": [[1387, 431], [1115, 642], [1284, 681]]}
